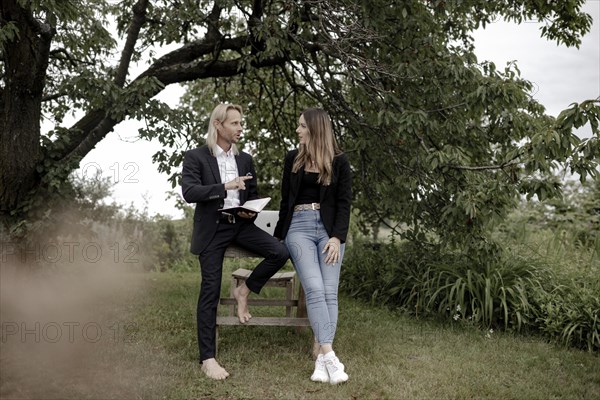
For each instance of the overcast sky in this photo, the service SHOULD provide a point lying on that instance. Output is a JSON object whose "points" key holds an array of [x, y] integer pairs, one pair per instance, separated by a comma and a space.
{"points": [[561, 75]]}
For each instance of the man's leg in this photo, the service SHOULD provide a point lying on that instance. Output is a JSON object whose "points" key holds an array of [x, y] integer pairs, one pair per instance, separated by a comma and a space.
{"points": [[275, 255], [211, 267]]}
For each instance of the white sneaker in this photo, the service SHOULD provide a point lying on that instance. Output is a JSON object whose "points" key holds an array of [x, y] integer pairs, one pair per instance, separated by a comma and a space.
{"points": [[320, 374], [335, 368]]}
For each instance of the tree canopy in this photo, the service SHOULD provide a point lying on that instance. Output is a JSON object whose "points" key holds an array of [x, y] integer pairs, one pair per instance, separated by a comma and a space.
{"points": [[441, 144]]}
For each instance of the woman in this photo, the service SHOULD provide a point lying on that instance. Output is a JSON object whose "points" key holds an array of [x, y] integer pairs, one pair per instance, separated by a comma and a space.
{"points": [[313, 219]]}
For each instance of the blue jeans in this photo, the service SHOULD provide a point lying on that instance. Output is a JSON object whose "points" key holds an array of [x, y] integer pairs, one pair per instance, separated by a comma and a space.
{"points": [[305, 241]]}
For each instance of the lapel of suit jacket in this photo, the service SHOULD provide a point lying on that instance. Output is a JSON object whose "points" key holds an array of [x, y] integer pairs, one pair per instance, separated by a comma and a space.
{"points": [[214, 167], [242, 170], [323, 191], [297, 181], [241, 167]]}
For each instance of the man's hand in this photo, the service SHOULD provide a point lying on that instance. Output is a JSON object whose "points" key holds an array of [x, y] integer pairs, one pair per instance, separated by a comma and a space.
{"points": [[238, 183], [246, 214]]}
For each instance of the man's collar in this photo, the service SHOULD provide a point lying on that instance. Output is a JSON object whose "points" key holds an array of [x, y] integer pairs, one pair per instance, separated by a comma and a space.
{"points": [[219, 151]]}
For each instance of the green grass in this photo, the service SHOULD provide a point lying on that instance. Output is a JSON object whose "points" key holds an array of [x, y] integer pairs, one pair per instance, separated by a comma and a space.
{"points": [[387, 355]]}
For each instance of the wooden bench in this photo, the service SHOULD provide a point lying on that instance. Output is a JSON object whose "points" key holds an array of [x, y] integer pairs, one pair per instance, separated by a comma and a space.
{"points": [[266, 220], [285, 280]]}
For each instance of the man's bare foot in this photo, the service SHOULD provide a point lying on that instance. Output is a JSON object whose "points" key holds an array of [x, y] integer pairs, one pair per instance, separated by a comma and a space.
{"points": [[241, 294], [213, 370]]}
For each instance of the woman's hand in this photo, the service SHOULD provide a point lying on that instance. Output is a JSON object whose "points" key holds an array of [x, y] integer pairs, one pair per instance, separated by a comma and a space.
{"points": [[332, 248]]}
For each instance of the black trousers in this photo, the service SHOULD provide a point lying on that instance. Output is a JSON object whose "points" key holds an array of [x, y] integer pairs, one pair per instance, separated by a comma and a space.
{"points": [[249, 236]]}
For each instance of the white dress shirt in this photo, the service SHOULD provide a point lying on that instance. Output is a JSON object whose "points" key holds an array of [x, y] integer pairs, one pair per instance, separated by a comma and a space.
{"points": [[228, 171]]}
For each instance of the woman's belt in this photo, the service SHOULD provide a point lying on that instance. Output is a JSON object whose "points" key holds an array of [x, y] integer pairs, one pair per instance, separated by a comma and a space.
{"points": [[304, 207]]}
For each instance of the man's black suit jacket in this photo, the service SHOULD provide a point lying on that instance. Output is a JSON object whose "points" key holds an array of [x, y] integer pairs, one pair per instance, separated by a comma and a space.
{"points": [[201, 184], [335, 199]]}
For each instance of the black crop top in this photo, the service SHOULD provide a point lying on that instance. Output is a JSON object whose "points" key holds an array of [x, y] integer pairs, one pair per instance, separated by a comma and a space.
{"points": [[309, 189]]}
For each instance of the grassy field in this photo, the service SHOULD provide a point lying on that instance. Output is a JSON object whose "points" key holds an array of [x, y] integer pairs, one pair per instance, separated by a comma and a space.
{"points": [[150, 352]]}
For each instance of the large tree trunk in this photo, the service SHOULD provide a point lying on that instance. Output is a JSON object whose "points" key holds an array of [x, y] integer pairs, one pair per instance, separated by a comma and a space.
{"points": [[25, 63]]}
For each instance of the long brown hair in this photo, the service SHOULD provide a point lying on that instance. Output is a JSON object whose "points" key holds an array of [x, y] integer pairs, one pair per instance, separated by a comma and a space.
{"points": [[321, 146]]}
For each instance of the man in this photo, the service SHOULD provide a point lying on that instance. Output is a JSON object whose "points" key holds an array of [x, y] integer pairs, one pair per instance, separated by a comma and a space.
{"points": [[217, 176]]}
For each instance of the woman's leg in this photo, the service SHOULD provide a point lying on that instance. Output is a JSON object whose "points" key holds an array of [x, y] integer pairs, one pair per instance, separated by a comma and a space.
{"points": [[327, 360], [301, 241], [330, 274]]}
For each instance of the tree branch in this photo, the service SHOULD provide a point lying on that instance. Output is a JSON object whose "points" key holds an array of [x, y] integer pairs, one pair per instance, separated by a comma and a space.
{"points": [[67, 56], [166, 69], [482, 167], [253, 24], [133, 32], [91, 139], [54, 96], [95, 125], [213, 33], [194, 50], [208, 69]]}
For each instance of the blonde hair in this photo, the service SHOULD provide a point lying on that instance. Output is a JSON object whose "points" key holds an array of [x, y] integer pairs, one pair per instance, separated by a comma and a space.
{"points": [[220, 114], [321, 146]]}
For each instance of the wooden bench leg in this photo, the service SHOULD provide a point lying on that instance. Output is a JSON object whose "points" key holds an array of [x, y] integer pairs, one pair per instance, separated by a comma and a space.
{"points": [[301, 311], [289, 293], [234, 284]]}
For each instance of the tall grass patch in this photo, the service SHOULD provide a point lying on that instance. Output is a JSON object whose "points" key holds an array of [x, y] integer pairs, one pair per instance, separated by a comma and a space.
{"points": [[512, 292]]}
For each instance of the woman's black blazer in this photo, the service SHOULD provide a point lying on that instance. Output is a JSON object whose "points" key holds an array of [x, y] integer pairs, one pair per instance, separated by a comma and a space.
{"points": [[335, 199]]}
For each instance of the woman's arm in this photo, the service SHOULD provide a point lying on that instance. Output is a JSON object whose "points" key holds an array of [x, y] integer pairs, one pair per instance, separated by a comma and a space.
{"points": [[343, 199]]}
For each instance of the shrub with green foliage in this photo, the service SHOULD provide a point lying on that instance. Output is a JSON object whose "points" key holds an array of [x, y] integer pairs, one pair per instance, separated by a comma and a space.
{"points": [[569, 313], [513, 292]]}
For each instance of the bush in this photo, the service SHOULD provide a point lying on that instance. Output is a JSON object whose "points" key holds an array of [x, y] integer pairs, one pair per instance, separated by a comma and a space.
{"points": [[512, 292], [569, 314]]}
